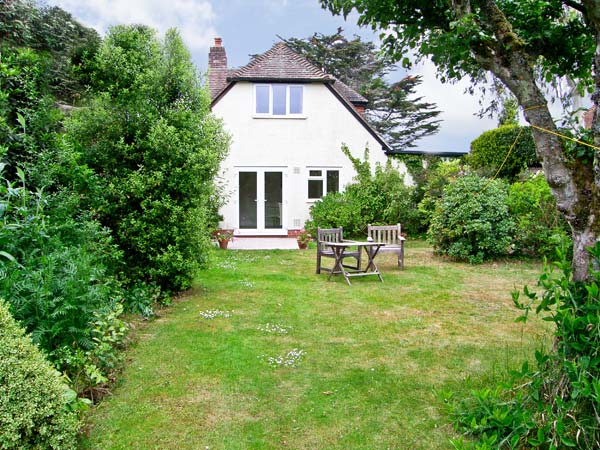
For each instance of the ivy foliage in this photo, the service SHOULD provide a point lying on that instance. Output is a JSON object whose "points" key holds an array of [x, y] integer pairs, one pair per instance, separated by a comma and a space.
{"points": [[34, 401], [376, 196]]}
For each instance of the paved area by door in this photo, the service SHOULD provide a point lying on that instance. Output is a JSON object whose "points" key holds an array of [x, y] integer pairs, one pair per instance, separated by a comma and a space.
{"points": [[260, 243]]}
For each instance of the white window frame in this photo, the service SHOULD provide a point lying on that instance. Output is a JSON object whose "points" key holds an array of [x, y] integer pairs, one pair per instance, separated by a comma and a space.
{"points": [[323, 179], [270, 114]]}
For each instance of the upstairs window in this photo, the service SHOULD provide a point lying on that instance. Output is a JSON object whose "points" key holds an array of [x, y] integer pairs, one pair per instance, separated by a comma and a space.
{"points": [[321, 182], [278, 99]]}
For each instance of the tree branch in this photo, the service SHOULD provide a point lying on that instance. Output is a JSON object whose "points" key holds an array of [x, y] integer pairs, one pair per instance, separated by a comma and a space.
{"points": [[576, 5]]}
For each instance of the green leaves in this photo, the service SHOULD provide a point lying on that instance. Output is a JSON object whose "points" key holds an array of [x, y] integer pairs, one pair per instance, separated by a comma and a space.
{"points": [[21, 121], [553, 405], [37, 415], [508, 148], [155, 150], [375, 198], [469, 223]]}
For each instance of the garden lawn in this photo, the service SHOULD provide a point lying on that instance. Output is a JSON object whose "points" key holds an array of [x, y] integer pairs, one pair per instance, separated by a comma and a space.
{"points": [[369, 364]]}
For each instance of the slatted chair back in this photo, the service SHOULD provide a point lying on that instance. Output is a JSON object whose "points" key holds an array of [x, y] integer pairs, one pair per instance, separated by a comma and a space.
{"points": [[391, 236], [328, 235], [325, 235]]}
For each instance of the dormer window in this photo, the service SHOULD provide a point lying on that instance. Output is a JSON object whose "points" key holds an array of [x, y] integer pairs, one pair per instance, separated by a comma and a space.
{"points": [[278, 100]]}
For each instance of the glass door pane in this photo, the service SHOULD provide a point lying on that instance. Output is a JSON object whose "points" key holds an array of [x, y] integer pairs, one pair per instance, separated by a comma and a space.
{"points": [[273, 199], [248, 193]]}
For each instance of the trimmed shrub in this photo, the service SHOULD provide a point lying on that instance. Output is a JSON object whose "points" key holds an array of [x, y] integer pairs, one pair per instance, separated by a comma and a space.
{"points": [[334, 210], [471, 220], [539, 225], [34, 406], [489, 150]]}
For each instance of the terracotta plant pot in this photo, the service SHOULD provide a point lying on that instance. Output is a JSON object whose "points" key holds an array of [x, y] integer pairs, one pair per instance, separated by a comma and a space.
{"points": [[223, 243], [302, 245]]}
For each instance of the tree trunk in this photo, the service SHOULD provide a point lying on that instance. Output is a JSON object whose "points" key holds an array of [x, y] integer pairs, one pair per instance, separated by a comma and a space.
{"points": [[573, 181]]}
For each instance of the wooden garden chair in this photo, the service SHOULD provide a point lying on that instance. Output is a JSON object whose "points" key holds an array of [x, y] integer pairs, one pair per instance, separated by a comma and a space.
{"points": [[391, 236], [325, 235]]}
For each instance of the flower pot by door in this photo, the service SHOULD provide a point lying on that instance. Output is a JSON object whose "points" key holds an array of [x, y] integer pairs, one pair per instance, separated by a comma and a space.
{"points": [[223, 243]]}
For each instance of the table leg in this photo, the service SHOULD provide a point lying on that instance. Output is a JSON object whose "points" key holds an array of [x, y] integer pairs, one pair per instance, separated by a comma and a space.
{"points": [[338, 267], [371, 254]]}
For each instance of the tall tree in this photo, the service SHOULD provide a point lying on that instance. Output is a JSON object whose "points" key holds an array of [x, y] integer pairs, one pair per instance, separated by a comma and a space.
{"points": [[54, 34], [155, 149], [392, 108], [516, 42]]}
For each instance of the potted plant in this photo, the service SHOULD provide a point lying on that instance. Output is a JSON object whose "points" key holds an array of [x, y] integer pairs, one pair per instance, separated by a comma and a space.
{"points": [[223, 237], [303, 239]]}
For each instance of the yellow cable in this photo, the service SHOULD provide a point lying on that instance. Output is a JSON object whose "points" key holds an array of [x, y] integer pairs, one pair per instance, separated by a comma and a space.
{"points": [[537, 128], [558, 134], [503, 162], [565, 137]]}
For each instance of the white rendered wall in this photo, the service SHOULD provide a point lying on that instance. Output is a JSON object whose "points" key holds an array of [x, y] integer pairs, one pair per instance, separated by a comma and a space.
{"points": [[290, 144]]}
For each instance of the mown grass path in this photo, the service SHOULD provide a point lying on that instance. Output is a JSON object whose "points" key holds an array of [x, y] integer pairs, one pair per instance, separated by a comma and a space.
{"points": [[368, 359]]}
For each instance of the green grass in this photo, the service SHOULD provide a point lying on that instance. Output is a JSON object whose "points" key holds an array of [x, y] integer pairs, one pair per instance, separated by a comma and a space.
{"points": [[375, 356]]}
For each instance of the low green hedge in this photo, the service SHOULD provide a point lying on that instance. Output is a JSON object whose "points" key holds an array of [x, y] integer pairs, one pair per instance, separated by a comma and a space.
{"points": [[34, 410]]}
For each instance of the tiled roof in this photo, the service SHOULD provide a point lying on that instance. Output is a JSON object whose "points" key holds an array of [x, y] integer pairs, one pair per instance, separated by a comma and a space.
{"points": [[279, 63], [348, 93]]}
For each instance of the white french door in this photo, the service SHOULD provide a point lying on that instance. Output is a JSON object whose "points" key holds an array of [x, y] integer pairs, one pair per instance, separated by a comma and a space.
{"points": [[261, 205]]}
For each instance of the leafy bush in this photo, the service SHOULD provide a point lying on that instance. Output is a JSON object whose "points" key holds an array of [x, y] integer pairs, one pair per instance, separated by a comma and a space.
{"points": [[333, 210], [34, 406], [54, 276], [376, 197], [471, 220], [554, 405], [538, 223], [440, 175], [89, 369], [154, 148], [489, 151], [51, 31]]}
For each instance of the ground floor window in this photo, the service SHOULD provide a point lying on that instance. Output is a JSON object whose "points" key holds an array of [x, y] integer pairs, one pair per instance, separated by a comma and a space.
{"points": [[322, 181]]}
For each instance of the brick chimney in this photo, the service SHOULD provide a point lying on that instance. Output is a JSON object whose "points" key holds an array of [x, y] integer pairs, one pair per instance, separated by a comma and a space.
{"points": [[359, 109], [217, 68]]}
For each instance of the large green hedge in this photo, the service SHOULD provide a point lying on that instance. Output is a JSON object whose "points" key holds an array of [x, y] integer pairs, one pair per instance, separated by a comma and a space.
{"points": [[490, 149], [471, 220], [539, 225], [155, 150], [34, 411]]}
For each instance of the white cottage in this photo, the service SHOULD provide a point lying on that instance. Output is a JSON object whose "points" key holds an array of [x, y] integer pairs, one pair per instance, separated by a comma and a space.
{"points": [[288, 120]]}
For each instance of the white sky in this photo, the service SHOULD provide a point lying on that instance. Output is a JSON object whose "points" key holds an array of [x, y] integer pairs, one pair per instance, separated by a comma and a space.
{"points": [[251, 26]]}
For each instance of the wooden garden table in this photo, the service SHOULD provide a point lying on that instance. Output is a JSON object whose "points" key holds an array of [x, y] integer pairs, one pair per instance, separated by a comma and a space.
{"points": [[339, 248]]}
